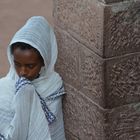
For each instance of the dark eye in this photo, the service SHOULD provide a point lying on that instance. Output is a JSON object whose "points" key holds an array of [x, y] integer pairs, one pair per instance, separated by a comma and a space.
{"points": [[30, 66], [17, 64]]}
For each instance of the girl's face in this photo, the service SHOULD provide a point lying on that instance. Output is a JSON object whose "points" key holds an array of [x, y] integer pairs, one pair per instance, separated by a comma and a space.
{"points": [[27, 63]]}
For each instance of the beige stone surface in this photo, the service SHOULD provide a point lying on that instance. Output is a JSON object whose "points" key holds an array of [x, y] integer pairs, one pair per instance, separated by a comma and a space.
{"points": [[123, 123], [68, 58], [123, 80], [13, 14], [91, 71], [109, 30], [80, 67], [100, 62], [122, 28], [83, 118], [70, 136], [83, 19]]}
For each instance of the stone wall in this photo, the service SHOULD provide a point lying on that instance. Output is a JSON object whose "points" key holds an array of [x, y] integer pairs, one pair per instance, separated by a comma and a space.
{"points": [[99, 60]]}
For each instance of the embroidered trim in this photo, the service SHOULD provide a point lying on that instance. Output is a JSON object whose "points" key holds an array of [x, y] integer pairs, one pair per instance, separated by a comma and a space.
{"points": [[21, 82], [49, 115], [56, 94]]}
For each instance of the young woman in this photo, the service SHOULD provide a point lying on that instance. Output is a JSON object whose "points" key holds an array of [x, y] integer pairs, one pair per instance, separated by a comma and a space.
{"points": [[31, 93]]}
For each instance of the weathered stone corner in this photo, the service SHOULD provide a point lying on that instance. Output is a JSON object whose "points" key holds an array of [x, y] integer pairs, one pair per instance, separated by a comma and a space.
{"points": [[99, 60]]}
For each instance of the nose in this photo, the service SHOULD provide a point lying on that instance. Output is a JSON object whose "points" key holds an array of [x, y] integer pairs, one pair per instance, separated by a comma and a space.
{"points": [[23, 72]]}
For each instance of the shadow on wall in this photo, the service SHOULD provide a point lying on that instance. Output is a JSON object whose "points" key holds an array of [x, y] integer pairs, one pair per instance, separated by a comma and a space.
{"points": [[13, 15]]}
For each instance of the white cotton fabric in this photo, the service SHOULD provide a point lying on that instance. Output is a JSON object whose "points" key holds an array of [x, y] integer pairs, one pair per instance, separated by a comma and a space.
{"points": [[21, 115]]}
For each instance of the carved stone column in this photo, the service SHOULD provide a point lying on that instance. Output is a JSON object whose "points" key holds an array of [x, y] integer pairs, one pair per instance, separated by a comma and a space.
{"points": [[99, 44]]}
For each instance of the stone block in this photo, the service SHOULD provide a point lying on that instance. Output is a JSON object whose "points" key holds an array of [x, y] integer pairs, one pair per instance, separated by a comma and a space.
{"points": [[83, 19], [82, 117], [122, 80], [91, 73], [80, 67], [122, 28], [68, 58], [123, 123], [107, 29]]}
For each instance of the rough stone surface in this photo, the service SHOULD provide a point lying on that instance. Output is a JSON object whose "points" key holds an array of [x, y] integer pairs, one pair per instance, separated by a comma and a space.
{"points": [[122, 28], [99, 60], [80, 67], [68, 58], [83, 19], [70, 136], [91, 73], [123, 123], [82, 117], [123, 80]]}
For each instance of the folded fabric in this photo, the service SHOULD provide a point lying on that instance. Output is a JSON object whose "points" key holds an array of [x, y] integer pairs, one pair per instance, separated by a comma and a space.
{"points": [[32, 110]]}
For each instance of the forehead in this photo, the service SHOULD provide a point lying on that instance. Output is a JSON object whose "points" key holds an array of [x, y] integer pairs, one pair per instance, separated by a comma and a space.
{"points": [[29, 55]]}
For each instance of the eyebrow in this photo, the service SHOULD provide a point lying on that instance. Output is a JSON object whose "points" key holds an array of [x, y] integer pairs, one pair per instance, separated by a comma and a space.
{"points": [[15, 61]]}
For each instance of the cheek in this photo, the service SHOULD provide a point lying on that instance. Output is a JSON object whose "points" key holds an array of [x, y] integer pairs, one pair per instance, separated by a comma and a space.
{"points": [[32, 74], [35, 72]]}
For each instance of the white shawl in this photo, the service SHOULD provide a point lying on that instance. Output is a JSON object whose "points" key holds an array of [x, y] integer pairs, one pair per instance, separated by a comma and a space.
{"points": [[22, 107]]}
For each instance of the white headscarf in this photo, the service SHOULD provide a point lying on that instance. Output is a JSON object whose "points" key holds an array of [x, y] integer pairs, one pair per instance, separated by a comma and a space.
{"points": [[26, 117]]}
